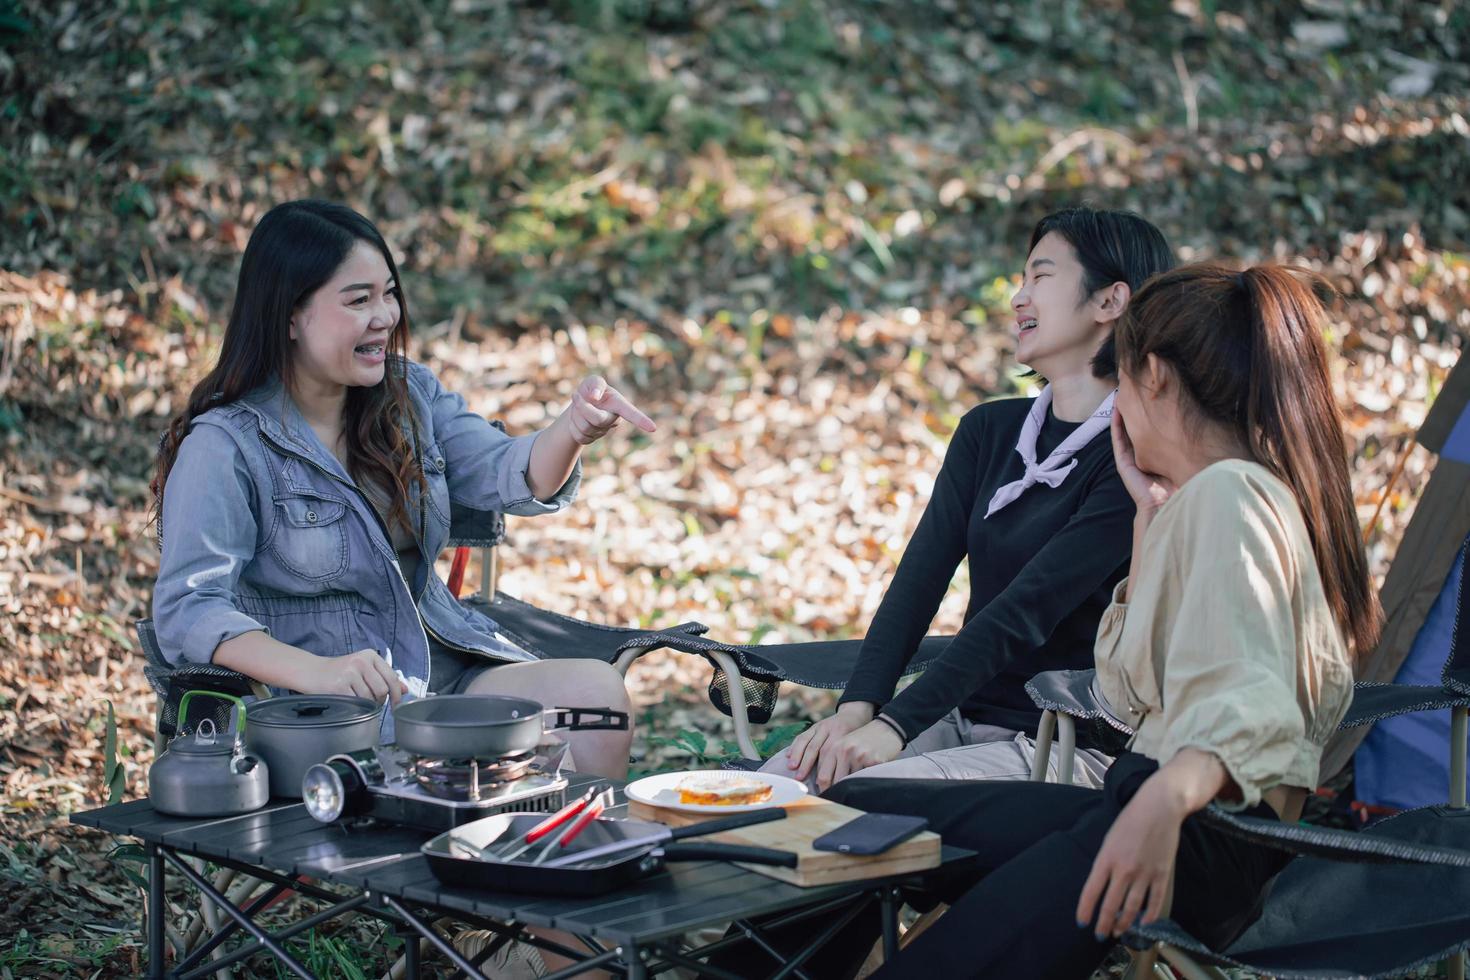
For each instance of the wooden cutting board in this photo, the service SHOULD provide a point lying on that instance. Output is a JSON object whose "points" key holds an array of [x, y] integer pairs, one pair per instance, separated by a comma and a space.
{"points": [[806, 820]]}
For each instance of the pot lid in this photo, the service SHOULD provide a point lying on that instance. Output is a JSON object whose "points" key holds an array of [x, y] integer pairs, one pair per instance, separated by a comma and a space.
{"points": [[204, 740], [310, 711]]}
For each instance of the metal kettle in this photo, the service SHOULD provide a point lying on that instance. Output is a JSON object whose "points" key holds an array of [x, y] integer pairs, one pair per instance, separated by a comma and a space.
{"points": [[207, 773]]}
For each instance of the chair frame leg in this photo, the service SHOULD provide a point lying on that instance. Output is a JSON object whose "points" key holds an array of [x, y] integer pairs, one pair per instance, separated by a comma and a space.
{"points": [[1141, 965], [739, 712], [1186, 966], [1458, 732], [1066, 748], [626, 658], [1455, 965], [1044, 733], [489, 573]]}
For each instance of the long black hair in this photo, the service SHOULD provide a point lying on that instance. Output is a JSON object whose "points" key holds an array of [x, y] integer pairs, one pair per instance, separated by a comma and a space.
{"points": [[293, 251], [1112, 246]]}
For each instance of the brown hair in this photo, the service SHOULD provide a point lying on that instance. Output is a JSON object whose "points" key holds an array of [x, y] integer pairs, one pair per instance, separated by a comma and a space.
{"points": [[294, 249], [1247, 348]]}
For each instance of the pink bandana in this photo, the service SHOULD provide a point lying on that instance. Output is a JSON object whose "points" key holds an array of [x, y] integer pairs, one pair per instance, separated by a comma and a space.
{"points": [[1054, 469]]}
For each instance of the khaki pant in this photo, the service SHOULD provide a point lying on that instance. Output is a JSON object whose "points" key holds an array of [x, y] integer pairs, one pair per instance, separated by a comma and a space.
{"points": [[956, 748]]}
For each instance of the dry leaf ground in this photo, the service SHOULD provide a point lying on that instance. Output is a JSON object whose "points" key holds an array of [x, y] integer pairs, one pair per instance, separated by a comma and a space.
{"points": [[788, 227]]}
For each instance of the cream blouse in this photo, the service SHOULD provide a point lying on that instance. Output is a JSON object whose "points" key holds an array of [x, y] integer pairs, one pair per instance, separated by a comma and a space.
{"points": [[1226, 642]]}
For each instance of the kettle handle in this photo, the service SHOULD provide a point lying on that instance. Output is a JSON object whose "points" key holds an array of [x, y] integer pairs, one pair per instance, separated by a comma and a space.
{"points": [[239, 708]]}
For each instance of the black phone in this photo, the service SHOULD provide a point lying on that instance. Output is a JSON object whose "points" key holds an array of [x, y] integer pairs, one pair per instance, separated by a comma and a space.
{"points": [[870, 833]]}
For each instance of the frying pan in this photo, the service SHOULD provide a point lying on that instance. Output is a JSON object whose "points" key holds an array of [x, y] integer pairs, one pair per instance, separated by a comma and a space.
{"points": [[459, 726], [455, 865]]}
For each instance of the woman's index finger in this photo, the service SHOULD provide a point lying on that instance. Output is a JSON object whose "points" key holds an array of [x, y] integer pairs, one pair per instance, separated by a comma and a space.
{"points": [[613, 401]]}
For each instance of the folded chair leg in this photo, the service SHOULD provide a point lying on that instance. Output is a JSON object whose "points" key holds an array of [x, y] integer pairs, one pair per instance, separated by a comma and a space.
{"points": [[209, 915], [1066, 748], [738, 711], [1185, 965], [1141, 965], [1043, 746], [489, 573]]}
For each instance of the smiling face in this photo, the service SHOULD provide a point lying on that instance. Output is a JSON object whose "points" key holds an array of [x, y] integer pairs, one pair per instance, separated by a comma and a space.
{"points": [[1058, 326], [340, 334]]}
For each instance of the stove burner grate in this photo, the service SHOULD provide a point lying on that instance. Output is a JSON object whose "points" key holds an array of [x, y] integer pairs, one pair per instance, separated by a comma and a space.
{"points": [[469, 779]]}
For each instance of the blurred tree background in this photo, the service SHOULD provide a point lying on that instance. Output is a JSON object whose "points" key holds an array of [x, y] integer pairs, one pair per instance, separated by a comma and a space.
{"points": [[789, 227]]}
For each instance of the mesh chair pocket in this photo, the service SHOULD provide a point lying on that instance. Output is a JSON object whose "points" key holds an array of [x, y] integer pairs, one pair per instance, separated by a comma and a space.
{"points": [[1107, 739], [760, 696], [200, 678]]}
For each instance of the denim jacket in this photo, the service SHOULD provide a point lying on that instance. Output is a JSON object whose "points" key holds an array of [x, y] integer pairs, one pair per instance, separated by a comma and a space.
{"points": [[263, 529]]}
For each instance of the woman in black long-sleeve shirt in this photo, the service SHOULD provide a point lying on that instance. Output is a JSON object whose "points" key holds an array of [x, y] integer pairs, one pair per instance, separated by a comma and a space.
{"points": [[1029, 494]]}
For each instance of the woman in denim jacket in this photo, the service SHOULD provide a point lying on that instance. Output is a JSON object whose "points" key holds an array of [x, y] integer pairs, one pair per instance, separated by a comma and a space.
{"points": [[314, 476]]}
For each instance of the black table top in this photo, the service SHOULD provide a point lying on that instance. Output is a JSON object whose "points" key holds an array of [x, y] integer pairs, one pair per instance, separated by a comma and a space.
{"points": [[283, 837]]}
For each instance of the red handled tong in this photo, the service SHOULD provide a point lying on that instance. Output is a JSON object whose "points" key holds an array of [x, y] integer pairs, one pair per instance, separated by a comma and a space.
{"points": [[511, 851], [592, 812]]}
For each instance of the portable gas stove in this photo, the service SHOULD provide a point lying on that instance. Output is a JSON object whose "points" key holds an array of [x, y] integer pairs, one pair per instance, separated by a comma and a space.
{"points": [[433, 794]]}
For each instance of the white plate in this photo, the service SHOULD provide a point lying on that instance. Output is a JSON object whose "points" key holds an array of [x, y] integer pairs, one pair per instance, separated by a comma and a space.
{"points": [[662, 791]]}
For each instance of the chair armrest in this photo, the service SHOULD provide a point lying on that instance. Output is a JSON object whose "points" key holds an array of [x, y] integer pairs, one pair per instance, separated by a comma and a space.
{"points": [[1363, 847], [1074, 693], [476, 528], [1373, 702]]}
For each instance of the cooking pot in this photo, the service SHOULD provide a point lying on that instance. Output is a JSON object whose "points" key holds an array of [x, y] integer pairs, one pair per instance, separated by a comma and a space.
{"points": [[207, 773], [481, 726], [294, 732]]}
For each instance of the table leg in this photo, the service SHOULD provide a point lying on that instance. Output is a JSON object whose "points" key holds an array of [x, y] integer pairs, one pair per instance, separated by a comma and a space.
{"points": [[433, 937], [265, 939], [410, 952], [156, 924], [637, 968], [890, 906]]}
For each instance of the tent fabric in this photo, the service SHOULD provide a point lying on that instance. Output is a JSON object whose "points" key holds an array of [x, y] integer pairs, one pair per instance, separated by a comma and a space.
{"points": [[1428, 550], [1445, 422], [1457, 444], [1404, 762]]}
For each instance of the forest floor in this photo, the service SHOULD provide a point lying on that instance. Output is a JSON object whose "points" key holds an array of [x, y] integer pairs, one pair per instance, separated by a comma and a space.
{"points": [[789, 228]]}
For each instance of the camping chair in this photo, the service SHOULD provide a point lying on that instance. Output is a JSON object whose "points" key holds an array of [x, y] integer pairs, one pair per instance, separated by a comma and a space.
{"points": [[1382, 902], [1067, 695], [746, 678]]}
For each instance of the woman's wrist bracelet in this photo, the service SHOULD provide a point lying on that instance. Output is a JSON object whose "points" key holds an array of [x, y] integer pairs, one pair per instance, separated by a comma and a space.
{"points": [[897, 729]]}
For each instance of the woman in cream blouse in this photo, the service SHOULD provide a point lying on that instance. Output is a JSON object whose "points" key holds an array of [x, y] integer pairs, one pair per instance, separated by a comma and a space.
{"points": [[1229, 647]]}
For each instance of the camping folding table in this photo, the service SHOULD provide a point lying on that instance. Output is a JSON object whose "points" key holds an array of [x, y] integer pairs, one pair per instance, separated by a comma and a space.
{"points": [[635, 932]]}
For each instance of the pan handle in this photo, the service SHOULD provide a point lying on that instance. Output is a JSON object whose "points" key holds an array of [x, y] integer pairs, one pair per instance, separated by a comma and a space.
{"points": [[571, 719], [729, 823], [729, 852]]}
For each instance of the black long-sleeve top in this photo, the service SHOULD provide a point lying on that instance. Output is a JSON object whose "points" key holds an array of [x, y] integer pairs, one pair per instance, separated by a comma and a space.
{"points": [[1042, 570]]}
